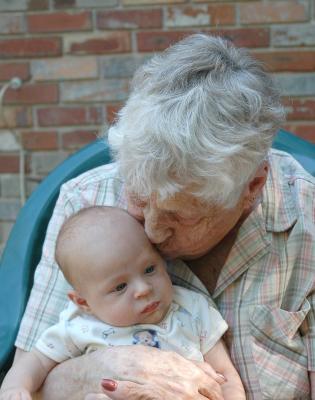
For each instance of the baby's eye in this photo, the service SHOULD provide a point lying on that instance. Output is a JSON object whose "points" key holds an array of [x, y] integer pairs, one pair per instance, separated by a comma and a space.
{"points": [[150, 269], [120, 287]]}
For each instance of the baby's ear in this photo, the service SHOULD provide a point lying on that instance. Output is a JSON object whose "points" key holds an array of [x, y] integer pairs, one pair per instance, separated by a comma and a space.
{"points": [[78, 300]]}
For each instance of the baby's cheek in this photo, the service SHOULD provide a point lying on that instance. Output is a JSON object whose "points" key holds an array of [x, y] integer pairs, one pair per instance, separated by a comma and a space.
{"points": [[121, 315]]}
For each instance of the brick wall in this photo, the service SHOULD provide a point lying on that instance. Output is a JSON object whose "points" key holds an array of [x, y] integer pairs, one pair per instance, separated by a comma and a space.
{"points": [[76, 58]]}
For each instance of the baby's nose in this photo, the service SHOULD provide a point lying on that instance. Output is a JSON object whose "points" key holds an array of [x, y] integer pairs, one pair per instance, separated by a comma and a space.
{"points": [[142, 289]]}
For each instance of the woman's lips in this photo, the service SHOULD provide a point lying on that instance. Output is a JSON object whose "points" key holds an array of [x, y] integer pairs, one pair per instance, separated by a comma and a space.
{"points": [[151, 307]]}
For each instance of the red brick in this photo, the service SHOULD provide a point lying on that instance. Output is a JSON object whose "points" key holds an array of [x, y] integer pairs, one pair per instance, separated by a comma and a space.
{"points": [[66, 116], [129, 19], [299, 109], [78, 138], [59, 22], [153, 2], [157, 40], [9, 70], [38, 5], [94, 115], [9, 163], [14, 117], [306, 132], [40, 140], [64, 3], [222, 14], [30, 47], [303, 61], [244, 37], [33, 94], [118, 42], [111, 112], [273, 12]]}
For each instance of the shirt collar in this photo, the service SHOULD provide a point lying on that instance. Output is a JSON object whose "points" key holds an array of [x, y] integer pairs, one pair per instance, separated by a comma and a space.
{"points": [[278, 204], [251, 244], [275, 213]]}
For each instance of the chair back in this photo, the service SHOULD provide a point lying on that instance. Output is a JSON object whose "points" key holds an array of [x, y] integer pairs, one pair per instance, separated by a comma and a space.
{"points": [[302, 150], [24, 246]]}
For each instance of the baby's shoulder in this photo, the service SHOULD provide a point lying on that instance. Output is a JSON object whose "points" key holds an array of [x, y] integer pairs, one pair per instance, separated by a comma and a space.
{"points": [[191, 300]]}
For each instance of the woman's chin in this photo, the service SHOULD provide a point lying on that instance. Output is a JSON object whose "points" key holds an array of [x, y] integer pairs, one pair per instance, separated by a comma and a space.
{"points": [[171, 254]]}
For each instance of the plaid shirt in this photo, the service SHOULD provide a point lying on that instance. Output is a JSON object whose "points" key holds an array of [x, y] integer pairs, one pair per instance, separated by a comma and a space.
{"points": [[265, 291]]}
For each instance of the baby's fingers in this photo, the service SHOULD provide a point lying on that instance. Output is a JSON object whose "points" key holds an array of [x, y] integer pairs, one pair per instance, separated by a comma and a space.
{"points": [[25, 396], [211, 372], [13, 394]]}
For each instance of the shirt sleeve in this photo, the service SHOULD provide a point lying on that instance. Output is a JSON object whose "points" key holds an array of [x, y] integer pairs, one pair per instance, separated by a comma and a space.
{"points": [[209, 323], [55, 342], [48, 296], [309, 338]]}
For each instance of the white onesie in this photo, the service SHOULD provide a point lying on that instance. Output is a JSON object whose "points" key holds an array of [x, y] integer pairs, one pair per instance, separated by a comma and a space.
{"points": [[191, 328]]}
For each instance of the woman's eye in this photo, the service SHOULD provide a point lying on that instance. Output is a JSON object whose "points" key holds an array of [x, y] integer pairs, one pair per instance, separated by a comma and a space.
{"points": [[187, 220], [150, 269], [137, 202], [120, 287], [140, 203]]}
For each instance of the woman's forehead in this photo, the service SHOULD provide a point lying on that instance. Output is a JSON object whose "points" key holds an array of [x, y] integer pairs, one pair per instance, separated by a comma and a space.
{"points": [[178, 201], [186, 203]]}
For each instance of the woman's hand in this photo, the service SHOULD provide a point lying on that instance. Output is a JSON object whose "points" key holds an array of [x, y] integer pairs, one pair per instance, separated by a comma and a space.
{"points": [[142, 372], [138, 371]]}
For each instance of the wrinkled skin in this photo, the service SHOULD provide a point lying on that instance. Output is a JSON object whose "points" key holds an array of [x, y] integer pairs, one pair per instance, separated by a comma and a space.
{"points": [[159, 375], [183, 226]]}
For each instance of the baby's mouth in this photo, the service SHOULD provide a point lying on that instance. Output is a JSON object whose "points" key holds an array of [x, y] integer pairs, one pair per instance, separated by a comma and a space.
{"points": [[151, 307]]}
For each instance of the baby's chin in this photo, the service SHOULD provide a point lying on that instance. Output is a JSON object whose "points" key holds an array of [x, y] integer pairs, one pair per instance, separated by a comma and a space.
{"points": [[156, 317]]}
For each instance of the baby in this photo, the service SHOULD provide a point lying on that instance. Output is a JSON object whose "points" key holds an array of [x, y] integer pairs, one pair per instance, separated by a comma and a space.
{"points": [[122, 295]]}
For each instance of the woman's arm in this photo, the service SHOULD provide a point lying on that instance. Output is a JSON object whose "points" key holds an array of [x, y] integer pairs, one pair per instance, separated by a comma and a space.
{"points": [[219, 359], [139, 371]]}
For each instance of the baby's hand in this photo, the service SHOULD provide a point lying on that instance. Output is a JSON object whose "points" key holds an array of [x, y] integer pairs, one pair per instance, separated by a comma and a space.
{"points": [[15, 394]]}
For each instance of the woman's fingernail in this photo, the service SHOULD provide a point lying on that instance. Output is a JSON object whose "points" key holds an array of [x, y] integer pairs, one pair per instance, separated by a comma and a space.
{"points": [[109, 384], [221, 378]]}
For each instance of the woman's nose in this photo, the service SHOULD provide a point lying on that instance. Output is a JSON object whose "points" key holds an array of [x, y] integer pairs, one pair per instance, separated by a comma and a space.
{"points": [[156, 229], [136, 212]]}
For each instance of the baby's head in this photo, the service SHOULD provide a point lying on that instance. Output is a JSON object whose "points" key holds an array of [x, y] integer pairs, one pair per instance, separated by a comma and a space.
{"points": [[115, 272]]}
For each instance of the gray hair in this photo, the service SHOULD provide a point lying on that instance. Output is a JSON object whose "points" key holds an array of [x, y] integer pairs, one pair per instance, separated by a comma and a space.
{"points": [[201, 117]]}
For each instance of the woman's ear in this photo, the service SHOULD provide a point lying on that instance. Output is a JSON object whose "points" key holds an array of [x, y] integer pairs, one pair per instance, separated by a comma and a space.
{"points": [[79, 301], [255, 186]]}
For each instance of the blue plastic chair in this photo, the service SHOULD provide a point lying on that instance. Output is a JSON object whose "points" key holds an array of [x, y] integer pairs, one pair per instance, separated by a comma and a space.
{"points": [[23, 249], [300, 149]]}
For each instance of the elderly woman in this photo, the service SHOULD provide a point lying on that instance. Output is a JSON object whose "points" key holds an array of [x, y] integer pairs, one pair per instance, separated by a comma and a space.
{"points": [[194, 164]]}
